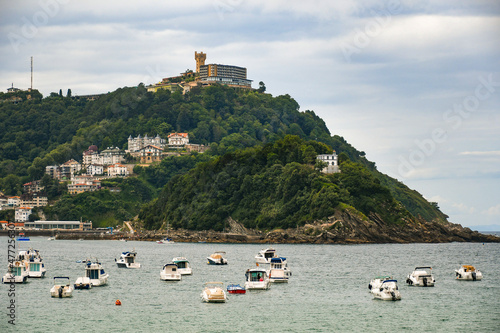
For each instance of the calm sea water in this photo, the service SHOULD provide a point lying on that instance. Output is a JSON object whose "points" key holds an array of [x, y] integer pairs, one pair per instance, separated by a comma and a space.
{"points": [[327, 292]]}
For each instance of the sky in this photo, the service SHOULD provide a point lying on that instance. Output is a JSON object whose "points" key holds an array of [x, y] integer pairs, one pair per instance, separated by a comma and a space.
{"points": [[413, 84]]}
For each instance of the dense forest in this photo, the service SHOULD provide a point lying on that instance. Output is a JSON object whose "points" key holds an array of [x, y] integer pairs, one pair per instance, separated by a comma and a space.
{"points": [[260, 167]]}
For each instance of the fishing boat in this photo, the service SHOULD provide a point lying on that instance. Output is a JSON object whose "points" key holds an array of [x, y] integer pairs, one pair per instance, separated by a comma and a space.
{"points": [[183, 265], [217, 258], [279, 271], [96, 274], [264, 256], [62, 288], [214, 293], [421, 277], [468, 273], [17, 272], [170, 273], [36, 266], [82, 282], [236, 289], [256, 278], [385, 288], [22, 237], [127, 260]]}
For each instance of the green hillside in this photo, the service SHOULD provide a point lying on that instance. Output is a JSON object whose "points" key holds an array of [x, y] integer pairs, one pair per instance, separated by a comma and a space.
{"points": [[260, 167]]}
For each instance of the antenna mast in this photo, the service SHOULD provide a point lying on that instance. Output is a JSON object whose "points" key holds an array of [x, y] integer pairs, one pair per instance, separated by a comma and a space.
{"points": [[31, 72]]}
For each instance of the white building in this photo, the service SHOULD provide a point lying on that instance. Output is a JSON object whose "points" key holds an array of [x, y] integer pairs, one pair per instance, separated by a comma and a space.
{"points": [[22, 214], [69, 168], [178, 140], [13, 201], [95, 169], [118, 170], [136, 144], [332, 163], [112, 156]]}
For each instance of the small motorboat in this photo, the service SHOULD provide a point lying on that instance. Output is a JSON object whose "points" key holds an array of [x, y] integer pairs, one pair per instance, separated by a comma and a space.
{"points": [[165, 241], [257, 278], [217, 258], [468, 273], [51, 238], [183, 265], [127, 260], [421, 277], [96, 274], [170, 273], [62, 288], [279, 271], [36, 266], [214, 293], [83, 282], [236, 289], [17, 272], [385, 288], [264, 256]]}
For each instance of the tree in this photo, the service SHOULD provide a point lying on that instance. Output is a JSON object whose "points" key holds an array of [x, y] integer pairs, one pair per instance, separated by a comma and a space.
{"points": [[60, 93], [69, 93], [262, 87]]}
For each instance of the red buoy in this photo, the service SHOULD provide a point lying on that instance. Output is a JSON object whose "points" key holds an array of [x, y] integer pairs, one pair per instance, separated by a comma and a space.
{"points": [[118, 302]]}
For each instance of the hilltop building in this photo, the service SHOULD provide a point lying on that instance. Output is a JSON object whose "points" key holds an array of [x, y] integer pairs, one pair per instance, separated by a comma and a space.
{"points": [[332, 162], [178, 140], [205, 75]]}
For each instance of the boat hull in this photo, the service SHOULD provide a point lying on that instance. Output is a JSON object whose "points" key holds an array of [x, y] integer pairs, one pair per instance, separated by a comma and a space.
{"points": [[9, 278]]}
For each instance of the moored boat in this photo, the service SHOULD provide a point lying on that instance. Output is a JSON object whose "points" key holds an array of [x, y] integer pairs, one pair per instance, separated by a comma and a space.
{"points": [[22, 237], [279, 271], [421, 277], [170, 273], [36, 266], [217, 258], [127, 260], [385, 288], [264, 256], [183, 265], [468, 273], [256, 278], [236, 289], [95, 272], [17, 272], [62, 288], [214, 293]]}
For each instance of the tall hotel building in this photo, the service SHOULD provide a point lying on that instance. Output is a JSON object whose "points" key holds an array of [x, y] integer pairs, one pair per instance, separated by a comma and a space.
{"points": [[222, 74]]}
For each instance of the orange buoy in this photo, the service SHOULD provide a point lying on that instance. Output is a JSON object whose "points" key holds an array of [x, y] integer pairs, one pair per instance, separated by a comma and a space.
{"points": [[118, 302]]}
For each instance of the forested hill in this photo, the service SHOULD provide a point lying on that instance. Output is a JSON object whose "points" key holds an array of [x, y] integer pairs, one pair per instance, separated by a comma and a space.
{"points": [[260, 169]]}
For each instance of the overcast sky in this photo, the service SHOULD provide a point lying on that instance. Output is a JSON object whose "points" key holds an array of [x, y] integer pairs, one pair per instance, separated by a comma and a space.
{"points": [[414, 84]]}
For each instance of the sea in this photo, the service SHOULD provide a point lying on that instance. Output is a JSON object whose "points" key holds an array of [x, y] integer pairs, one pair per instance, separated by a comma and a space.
{"points": [[328, 290]]}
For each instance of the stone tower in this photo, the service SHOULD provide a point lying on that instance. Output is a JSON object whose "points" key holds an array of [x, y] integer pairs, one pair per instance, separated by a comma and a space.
{"points": [[200, 60]]}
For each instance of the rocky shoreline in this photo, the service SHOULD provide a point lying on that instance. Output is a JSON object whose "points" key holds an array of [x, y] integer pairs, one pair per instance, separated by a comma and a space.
{"points": [[343, 228]]}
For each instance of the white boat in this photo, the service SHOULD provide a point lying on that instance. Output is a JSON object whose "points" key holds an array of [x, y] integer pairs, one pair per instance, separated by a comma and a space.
{"points": [[385, 288], [257, 278], [421, 277], [165, 241], [36, 267], [51, 238], [127, 260], [217, 258], [183, 265], [279, 271], [170, 273], [96, 274], [468, 273], [264, 256], [17, 272], [62, 288], [214, 293], [83, 282]]}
